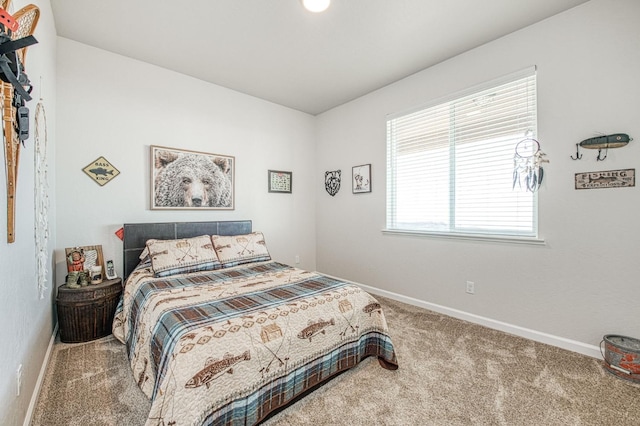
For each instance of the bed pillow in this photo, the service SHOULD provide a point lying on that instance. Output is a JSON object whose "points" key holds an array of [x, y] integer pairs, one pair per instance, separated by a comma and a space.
{"points": [[170, 257], [240, 249], [144, 254]]}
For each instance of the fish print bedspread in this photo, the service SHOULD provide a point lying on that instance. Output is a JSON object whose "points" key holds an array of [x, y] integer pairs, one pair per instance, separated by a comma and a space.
{"points": [[230, 346]]}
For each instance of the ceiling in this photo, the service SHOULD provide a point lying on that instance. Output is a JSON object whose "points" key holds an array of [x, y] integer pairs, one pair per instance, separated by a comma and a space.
{"points": [[277, 51]]}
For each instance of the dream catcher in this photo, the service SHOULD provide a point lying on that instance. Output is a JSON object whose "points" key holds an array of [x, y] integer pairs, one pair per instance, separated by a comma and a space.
{"points": [[332, 182], [15, 36], [41, 197], [527, 165]]}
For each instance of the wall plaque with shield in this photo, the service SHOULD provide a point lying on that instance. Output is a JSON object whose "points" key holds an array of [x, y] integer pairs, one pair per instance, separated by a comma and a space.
{"points": [[332, 181], [183, 179]]}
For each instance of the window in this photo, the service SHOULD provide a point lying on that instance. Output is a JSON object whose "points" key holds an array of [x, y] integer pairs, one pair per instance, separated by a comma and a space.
{"points": [[450, 165]]}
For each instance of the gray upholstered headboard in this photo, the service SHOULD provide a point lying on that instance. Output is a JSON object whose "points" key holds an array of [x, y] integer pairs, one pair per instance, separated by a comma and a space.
{"points": [[137, 234]]}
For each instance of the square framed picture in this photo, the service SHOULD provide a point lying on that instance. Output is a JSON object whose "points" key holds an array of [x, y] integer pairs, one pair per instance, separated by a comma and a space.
{"points": [[84, 258], [361, 178], [280, 181], [182, 179]]}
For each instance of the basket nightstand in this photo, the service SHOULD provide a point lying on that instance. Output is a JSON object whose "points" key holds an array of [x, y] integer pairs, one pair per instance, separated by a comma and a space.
{"points": [[86, 313]]}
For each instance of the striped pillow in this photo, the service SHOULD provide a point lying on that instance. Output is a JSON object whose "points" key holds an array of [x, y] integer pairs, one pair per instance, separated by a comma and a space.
{"points": [[170, 257], [240, 249]]}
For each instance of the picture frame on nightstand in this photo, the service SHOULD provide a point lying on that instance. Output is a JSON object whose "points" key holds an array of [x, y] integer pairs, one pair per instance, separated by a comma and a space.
{"points": [[84, 258]]}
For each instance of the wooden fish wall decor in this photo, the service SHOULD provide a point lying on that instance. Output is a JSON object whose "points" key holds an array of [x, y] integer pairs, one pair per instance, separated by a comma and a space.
{"points": [[16, 31], [615, 140]]}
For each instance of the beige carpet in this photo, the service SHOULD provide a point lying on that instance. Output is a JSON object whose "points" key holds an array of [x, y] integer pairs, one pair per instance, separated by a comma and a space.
{"points": [[451, 373]]}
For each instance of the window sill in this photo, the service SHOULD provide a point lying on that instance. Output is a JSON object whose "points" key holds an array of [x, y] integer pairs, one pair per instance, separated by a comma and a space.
{"points": [[470, 237]]}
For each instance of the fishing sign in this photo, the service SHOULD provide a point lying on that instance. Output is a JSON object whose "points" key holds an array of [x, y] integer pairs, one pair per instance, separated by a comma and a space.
{"points": [[606, 179], [101, 171]]}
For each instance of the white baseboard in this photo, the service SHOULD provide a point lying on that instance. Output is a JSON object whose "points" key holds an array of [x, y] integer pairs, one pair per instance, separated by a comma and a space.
{"points": [[43, 371], [549, 339], [561, 342]]}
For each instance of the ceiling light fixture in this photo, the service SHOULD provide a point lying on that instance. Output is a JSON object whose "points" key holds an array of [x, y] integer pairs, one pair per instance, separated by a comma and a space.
{"points": [[316, 5]]}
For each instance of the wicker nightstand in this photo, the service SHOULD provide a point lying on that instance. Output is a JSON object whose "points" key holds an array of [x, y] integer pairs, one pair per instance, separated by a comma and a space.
{"points": [[86, 313]]}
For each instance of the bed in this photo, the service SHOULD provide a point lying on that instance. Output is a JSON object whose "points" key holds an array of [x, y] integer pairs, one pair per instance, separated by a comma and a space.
{"points": [[218, 333]]}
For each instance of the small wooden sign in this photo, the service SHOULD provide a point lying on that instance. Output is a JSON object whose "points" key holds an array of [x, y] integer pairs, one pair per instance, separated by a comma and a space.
{"points": [[606, 179], [101, 171]]}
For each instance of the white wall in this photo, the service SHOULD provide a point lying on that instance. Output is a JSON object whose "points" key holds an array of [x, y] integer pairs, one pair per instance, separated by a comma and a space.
{"points": [[27, 320], [584, 282], [115, 107]]}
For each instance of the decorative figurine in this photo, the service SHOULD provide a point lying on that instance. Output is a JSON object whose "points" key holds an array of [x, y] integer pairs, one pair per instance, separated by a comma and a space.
{"points": [[76, 261], [72, 279], [83, 278]]}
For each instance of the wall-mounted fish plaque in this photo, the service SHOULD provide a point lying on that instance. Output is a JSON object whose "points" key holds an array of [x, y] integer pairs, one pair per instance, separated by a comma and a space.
{"points": [[101, 171], [606, 179]]}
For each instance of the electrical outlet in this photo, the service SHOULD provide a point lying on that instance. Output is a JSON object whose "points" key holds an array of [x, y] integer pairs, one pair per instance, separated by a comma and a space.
{"points": [[19, 380], [297, 259], [471, 287]]}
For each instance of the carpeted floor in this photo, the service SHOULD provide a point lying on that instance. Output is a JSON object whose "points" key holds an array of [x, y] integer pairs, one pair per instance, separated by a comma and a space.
{"points": [[451, 373]]}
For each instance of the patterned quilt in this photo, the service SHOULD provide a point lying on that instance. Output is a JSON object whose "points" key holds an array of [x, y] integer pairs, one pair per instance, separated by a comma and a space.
{"points": [[230, 346]]}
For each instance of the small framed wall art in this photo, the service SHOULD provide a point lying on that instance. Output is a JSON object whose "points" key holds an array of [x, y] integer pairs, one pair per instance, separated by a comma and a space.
{"points": [[280, 181], [361, 178]]}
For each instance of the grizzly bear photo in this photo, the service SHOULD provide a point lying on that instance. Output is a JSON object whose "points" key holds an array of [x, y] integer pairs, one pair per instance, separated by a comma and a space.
{"points": [[192, 180]]}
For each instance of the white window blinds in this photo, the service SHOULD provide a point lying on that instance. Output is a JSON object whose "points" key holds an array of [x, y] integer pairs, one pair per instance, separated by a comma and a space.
{"points": [[450, 165]]}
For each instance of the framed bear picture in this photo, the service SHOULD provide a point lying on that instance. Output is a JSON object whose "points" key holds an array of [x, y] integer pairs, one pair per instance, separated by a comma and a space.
{"points": [[189, 180]]}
